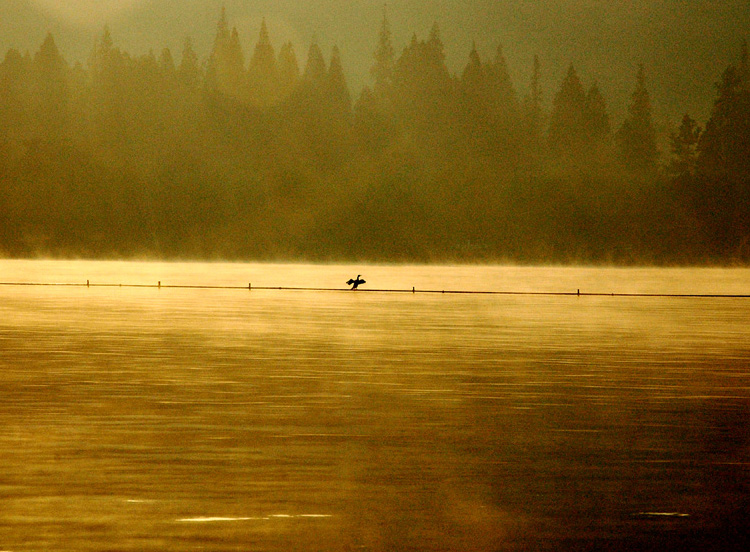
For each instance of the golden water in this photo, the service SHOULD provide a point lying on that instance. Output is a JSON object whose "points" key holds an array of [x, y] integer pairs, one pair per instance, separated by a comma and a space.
{"points": [[193, 419]]}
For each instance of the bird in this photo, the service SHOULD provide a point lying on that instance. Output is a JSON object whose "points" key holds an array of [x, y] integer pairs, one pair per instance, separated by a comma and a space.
{"points": [[356, 282]]}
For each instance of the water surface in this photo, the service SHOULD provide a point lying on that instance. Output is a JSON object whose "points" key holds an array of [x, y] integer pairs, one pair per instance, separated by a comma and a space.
{"points": [[229, 419]]}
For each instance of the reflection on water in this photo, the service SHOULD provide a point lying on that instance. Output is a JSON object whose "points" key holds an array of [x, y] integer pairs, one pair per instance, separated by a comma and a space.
{"points": [[177, 419]]}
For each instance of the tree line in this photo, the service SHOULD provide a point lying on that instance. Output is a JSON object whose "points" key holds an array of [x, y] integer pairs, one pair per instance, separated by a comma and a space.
{"points": [[260, 156]]}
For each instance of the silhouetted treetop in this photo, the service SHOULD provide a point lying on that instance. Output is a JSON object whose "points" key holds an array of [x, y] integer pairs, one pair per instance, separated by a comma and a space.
{"points": [[725, 143], [51, 90], [315, 69], [189, 70], [382, 69], [435, 44], [262, 73], [215, 156], [683, 145], [597, 124], [338, 91], [422, 84], [226, 63], [263, 61], [288, 72], [721, 191], [636, 138], [15, 83], [568, 120], [500, 81], [532, 109]]}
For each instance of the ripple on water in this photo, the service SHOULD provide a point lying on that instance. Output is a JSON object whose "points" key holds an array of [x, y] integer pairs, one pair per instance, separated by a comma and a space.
{"points": [[211, 519]]}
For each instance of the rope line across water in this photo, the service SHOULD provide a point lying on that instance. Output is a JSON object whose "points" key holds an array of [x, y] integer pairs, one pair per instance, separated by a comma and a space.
{"points": [[250, 287]]}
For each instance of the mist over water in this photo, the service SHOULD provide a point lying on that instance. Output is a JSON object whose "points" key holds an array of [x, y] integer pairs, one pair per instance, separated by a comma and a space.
{"points": [[263, 406], [137, 418], [260, 145]]}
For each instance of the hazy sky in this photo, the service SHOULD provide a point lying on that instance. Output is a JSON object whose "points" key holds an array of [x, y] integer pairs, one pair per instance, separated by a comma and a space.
{"points": [[684, 44]]}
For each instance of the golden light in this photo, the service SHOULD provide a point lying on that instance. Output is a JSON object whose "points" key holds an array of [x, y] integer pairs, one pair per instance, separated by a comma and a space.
{"points": [[86, 12]]}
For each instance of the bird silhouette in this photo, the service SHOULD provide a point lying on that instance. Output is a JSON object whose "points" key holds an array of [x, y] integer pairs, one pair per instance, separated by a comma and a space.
{"points": [[355, 282]]}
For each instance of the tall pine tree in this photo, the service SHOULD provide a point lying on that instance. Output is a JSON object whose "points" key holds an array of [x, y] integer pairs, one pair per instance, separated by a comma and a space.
{"points": [[683, 145], [226, 71], [15, 80], [108, 92], [636, 138], [315, 68], [382, 70], [338, 91], [189, 70], [568, 120], [533, 114], [487, 103], [597, 121], [288, 70], [52, 91], [262, 73], [723, 163], [423, 88], [505, 99]]}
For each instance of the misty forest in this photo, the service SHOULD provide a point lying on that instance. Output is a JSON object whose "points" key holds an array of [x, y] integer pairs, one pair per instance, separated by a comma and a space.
{"points": [[254, 154]]}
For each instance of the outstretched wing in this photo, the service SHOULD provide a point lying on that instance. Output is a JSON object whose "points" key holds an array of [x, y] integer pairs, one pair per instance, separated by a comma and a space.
{"points": [[350, 282]]}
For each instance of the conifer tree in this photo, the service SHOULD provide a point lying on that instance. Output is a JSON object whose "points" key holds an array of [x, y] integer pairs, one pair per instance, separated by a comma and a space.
{"points": [[52, 90], [189, 70], [597, 121], [435, 45], [221, 40], [235, 65], [148, 100], [262, 73], [532, 112], [474, 83], [724, 145], [382, 70], [422, 65], [423, 87], [568, 120], [338, 91], [373, 125], [187, 95], [166, 63], [489, 111], [373, 111], [315, 69], [405, 77], [473, 74], [336, 111], [109, 88], [684, 144], [723, 165], [636, 138], [226, 70], [307, 112], [437, 72], [504, 91], [15, 78], [104, 57], [103, 48], [288, 70], [477, 101]]}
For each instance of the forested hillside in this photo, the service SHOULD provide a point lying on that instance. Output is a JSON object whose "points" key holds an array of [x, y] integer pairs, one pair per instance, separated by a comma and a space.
{"points": [[255, 153]]}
